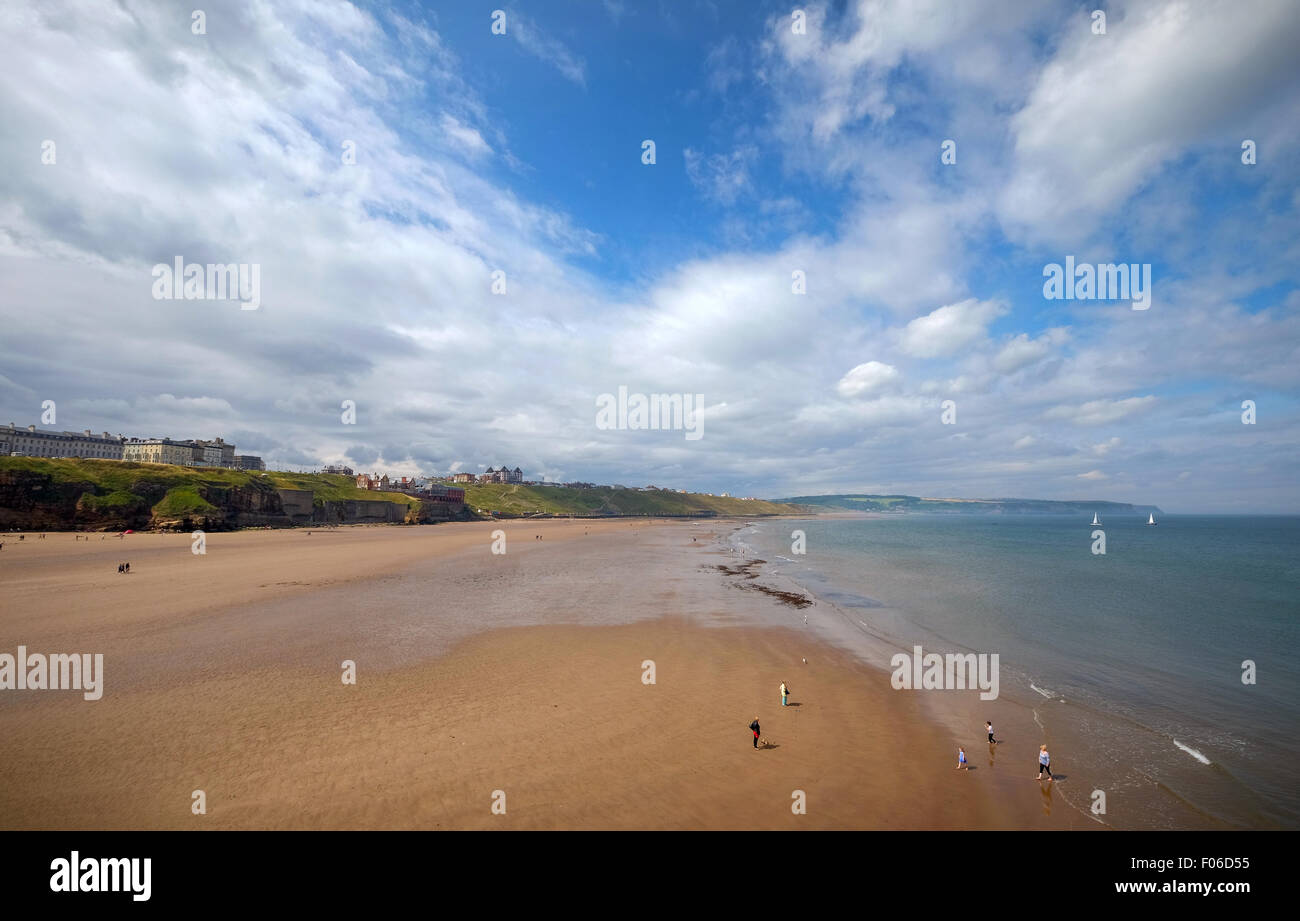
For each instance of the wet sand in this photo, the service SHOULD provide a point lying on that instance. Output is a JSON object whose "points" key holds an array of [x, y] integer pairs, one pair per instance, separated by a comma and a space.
{"points": [[476, 672]]}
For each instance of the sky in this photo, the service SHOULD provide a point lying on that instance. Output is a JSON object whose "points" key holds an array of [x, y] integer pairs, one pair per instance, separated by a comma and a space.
{"points": [[838, 248]]}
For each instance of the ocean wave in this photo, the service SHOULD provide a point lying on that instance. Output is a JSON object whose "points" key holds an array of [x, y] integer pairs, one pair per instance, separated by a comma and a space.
{"points": [[1193, 752]]}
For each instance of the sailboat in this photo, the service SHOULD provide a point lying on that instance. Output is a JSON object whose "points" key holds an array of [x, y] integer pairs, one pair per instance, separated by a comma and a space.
{"points": [[1094, 519], [1151, 517]]}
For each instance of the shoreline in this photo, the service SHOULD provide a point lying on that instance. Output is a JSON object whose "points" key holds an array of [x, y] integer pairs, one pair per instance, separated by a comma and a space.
{"points": [[1022, 711], [961, 714]]}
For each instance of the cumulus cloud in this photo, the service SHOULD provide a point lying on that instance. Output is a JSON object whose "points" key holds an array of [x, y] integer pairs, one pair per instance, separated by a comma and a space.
{"points": [[1022, 351], [947, 329], [868, 377], [377, 274]]}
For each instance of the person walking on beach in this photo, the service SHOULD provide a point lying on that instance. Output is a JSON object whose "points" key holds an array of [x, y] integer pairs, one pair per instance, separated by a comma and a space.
{"points": [[120, 568], [989, 726], [128, 568], [785, 693], [1044, 763], [753, 727], [961, 759]]}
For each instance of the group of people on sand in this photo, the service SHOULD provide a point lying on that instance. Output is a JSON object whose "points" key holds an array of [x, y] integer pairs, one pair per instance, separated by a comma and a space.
{"points": [[1044, 758], [785, 702], [123, 567]]}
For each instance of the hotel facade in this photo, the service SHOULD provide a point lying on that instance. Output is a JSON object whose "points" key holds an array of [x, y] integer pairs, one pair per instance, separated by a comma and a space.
{"points": [[32, 442]]}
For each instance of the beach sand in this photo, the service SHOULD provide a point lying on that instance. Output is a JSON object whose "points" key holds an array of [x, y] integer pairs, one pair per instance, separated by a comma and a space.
{"points": [[476, 673]]}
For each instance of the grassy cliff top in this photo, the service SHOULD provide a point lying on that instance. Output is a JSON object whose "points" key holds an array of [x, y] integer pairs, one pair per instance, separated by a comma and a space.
{"points": [[117, 477], [114, 481], [515, 499]]}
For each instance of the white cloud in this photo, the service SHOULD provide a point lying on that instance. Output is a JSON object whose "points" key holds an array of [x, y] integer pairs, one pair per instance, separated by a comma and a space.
{"points": [[1100, 412], [1023, 351], [464, 136], [868, 377], [546, 48], [722, 177], [1110, 110], [376, 275], [846, 70], [947, 329], [828, 419]]}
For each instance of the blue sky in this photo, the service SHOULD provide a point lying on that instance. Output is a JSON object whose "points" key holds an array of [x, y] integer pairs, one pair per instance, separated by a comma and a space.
{"points": [[776, 152], [645, 73]]}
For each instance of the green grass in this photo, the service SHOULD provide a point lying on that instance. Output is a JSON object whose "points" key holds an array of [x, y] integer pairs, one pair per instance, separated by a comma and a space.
{"points": [[178, 492], [331, 487], [516, 499], [184, 502], [117, 485], [114, 501]]}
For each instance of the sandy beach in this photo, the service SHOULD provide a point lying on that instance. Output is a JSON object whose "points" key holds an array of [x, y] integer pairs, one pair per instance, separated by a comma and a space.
{"points": [[512, 678]]}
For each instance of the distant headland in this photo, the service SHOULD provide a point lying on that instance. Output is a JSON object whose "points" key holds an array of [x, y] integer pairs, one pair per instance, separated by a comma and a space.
{"points": [[857, 502]]}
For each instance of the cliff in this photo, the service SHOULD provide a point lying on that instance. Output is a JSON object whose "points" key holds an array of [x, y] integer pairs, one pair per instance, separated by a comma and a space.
{"points": [[67, 494]]}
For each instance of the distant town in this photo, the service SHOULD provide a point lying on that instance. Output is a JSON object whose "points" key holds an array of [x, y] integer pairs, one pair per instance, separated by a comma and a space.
{"points": [[376, 481], [30, 441]]}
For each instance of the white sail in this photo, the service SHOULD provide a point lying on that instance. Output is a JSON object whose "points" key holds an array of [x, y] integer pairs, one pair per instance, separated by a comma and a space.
{"points": [[1094, 518], [1151, 517]]}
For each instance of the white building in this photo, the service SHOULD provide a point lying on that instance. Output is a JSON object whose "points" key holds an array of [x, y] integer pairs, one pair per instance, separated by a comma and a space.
{"points": [[31, 442], [159, 451]]}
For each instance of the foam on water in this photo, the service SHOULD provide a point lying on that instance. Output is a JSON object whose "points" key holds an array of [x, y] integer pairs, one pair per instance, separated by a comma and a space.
{"points": [[1193, 752]]}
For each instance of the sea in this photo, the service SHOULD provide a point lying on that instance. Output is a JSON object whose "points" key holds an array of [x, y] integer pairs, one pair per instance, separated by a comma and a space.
{"points": [[1165, 672]]}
